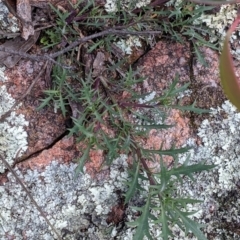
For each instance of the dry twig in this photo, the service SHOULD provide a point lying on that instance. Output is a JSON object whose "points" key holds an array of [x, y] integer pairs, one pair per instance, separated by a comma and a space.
{"points": [[30, 196], [50, 57]]}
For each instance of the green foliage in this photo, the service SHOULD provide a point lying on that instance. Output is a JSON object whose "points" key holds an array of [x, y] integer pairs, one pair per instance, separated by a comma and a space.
{"points": [[178, 23], [175, 22], [168, 208], [61, 91], [103, 120], [142, 223], [54, 36]]}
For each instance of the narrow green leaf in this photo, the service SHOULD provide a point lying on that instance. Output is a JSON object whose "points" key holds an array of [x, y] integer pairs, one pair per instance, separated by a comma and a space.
{"points": [[95, 45], [200, 39], [87, 131], [191, 108], [191, 225], [164, 179], [169, 152], [199, 55], [45, 102], [154, 126], [166, 232], [133, 183], [184, 201], [62, 105], [142, 222], [215, 2], [82, 161], [187, 170]]}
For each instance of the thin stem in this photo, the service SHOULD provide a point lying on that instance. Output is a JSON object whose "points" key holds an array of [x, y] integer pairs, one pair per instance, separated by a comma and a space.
{"points": [[145, 166], [51, 56], [30, 196], [101, 34]]}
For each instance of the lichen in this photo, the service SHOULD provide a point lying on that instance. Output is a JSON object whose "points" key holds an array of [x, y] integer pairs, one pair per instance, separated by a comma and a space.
{"points": [[127, 5], [127, 44], [3, 78], [13, 137], [219, 21], [219, 188], [8, 24], [78, 207], [220, 138]]}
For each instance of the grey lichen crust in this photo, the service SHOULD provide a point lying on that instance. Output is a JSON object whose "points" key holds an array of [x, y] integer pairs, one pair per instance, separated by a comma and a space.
{"points": [[218, 23], [7, 24], [13, 137], [128, 5], [77, 208], [218, 189]]}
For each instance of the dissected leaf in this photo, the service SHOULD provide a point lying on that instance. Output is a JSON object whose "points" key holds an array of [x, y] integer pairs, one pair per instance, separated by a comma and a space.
{"points": [[191, 225], [133, 184], [45, 102], [169, 152], [166, 232], [229, 81], [189, 170], [191, 108], [142, 223], [215, 2], [164, 180], [82, 160]]}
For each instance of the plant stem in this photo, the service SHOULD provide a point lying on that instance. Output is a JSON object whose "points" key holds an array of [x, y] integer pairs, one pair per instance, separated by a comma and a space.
{"points": [[51, 56]]}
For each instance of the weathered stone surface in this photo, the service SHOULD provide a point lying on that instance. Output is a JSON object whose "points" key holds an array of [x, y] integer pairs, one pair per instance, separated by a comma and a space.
{"points": [[206, 81], [161, 64], [64, 151], [44, 125]]}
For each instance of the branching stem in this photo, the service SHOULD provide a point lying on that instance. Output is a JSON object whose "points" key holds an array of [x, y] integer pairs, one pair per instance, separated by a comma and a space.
{"points": [[50, 57]]}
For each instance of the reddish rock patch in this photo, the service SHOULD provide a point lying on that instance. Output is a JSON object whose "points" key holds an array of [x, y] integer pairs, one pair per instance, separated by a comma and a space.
{"points": [[63, 151], [45, 126], [162, 63]]}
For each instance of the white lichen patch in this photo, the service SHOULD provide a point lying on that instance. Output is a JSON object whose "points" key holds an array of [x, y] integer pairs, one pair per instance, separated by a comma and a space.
{"points": [[13, 137], [186, 93], [8, 22], [3, 78], [77, 207], [127, 5], [6, 100], [218, 189], [147, 98], [127, 45], [214, 24], [219, 21]]}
